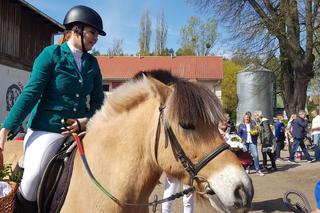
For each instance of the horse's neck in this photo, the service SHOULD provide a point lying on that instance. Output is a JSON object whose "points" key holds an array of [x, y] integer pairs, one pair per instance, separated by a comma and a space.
{"points": [[125, 156]]}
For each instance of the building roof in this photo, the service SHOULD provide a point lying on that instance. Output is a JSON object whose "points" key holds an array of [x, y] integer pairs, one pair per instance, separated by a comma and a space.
{"points": [[58, 27], [188, 67]]}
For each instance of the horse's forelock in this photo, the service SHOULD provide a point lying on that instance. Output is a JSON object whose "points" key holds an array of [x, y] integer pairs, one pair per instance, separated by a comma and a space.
{"points": [[192, 103]]}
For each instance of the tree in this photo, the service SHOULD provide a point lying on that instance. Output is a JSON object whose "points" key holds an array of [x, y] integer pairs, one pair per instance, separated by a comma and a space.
{"points": [[145, 34], [317, 52], [283, 27], [244, 58], [229, 86], [184, 51], [117, 48], [95, 52], [161, 35], [198, 36]]}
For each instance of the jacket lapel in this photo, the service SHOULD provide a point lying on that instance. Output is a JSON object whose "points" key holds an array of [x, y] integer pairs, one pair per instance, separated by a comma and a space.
{"points": [[85, 63]]}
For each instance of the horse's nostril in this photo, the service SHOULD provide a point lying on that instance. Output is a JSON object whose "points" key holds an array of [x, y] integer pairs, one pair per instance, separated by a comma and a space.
{"points": [[241, 198], [209, 191]]}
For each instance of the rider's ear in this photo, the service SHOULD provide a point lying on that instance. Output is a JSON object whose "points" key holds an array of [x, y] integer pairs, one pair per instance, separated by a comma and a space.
{"points": [[159, 89]]}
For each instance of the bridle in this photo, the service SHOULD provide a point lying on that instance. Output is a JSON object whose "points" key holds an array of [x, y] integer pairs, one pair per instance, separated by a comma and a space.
{"points": [[191, 168]]}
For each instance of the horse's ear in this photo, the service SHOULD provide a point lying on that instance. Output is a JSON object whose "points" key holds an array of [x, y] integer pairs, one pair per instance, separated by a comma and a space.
{"points": [[159, 88]]}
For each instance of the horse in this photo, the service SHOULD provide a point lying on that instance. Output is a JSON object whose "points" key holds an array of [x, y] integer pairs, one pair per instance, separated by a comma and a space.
{"points": [[128, 145]]}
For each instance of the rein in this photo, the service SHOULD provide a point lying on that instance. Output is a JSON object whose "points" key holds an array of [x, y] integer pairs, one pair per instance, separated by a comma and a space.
{"points": [[179, 153], [155, 201]]}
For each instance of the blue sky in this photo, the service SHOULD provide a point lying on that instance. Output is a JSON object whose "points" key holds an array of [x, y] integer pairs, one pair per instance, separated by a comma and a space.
{"points": [[121, 19]]}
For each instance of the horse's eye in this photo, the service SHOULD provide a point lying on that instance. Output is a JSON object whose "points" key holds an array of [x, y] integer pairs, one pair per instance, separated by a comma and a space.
{"points": [[187, 126]]}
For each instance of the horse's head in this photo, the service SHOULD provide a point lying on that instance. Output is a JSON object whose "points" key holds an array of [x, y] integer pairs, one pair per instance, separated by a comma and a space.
{"points": [[152, 122], [187, 129]]}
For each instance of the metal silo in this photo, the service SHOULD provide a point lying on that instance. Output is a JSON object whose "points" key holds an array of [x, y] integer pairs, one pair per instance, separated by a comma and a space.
{"points": [[255, 91]]}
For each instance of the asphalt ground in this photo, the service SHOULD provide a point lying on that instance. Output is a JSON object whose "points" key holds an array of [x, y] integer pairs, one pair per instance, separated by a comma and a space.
{"points": [[269, 189]]}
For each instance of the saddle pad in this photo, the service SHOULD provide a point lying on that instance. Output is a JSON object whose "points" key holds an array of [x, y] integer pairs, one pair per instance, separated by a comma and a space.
{"points": [[55, 182]]}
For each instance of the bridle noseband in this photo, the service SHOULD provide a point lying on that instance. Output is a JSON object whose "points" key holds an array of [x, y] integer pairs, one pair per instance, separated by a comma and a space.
{"points": [[192, 169]]}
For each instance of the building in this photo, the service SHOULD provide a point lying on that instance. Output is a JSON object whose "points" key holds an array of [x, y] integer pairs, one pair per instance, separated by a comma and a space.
{"points": [[24, 32], [206, 70]]}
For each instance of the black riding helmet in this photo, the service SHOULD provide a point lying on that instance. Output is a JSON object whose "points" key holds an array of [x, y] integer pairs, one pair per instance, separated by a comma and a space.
{"points": [[83, 15]]}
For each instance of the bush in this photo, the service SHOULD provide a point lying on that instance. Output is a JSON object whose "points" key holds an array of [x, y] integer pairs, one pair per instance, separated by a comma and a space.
{"points": [[7, 174]]}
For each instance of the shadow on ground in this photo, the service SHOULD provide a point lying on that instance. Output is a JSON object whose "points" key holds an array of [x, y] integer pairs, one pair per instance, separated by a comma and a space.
{"points": [[285, 167], [270, 206]]}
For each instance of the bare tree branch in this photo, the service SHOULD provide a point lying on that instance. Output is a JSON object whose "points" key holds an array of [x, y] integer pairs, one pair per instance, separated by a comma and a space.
{"points": [[285, 28]]}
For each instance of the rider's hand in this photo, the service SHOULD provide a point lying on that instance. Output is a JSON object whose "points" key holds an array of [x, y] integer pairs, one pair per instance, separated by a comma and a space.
{"points": [[3, 137], [76, 125]]}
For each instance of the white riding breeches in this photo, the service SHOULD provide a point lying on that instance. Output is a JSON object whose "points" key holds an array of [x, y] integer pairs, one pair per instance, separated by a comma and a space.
{"points": [[39, 148], [172, 186]]}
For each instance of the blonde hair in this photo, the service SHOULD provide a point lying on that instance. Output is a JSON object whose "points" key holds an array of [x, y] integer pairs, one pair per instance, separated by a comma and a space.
{"points": [[293, 116], [257, 113], [246, 114]]}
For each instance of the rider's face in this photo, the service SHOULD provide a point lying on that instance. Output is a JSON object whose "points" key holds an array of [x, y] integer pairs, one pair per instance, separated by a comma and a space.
{"points": [[90, 37]]}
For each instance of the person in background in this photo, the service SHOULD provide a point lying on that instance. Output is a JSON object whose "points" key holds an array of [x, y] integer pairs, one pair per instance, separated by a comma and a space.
{"points": [[267, 140], [315, 128], [63, 77], [280, 136], [289, 135], [172, 186], [223, 128], [230, 126], [299, 126], [292, 118], [248, 133]]}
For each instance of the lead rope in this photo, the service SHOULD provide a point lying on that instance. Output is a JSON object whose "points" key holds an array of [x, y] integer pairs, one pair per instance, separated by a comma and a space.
{"points": [[155, 201]]}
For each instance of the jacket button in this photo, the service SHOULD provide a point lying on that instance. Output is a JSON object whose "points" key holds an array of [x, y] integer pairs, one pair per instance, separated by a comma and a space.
{"points": [[77, 95], [74, 109]]}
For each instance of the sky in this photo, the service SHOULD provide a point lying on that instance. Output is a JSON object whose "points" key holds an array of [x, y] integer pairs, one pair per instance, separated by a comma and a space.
{"points": [[121, 20]]}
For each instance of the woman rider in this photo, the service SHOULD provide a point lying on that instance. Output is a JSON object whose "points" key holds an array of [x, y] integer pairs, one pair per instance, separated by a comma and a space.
{"points": [[65, 82]]}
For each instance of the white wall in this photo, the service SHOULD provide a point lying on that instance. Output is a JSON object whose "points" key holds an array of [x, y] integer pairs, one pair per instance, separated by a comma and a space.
{"points": [[213, 85], [12, 82]]}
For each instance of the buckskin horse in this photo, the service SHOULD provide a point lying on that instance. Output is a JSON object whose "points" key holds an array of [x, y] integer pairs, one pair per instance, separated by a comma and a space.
{"points": [[147, 127]]}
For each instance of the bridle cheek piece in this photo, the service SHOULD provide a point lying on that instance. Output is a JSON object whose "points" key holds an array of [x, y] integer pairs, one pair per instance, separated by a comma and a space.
{"points": [[192, 169]]}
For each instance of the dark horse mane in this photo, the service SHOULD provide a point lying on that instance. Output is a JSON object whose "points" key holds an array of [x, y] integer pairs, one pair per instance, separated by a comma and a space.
{"points": [[163, 76], [190, 103]]}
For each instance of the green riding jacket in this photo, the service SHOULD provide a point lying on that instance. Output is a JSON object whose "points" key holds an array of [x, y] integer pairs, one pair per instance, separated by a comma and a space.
{"points": [[56, 90]]}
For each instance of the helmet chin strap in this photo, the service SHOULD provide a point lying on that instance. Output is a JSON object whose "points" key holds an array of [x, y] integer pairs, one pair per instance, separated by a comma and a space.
{"points": [[82, 42]]}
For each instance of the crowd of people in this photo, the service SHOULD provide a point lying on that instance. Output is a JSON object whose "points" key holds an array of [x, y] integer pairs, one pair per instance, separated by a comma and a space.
{"points": [[273, 140]]}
